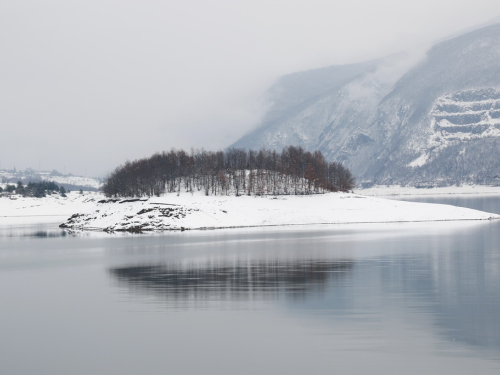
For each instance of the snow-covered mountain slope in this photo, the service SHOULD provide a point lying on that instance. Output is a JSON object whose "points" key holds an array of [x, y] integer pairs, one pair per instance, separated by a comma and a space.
{"points": [[429, 118], [461, 117], [301, 103]]}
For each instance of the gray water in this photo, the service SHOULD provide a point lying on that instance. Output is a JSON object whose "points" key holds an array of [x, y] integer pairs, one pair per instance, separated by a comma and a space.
{"points": [[383, 299]]}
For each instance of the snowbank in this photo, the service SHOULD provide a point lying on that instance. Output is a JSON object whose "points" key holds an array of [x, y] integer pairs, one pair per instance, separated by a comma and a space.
{"points": [[92, 211], [172, 212], [51, 209]]}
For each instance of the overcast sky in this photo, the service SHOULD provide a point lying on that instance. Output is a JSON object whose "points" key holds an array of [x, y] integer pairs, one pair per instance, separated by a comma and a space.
{"points": [[85, 85]]}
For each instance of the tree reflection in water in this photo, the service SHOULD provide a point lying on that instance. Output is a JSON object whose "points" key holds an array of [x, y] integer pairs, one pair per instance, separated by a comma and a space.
{"points": [[21, 233], [242, 280]]}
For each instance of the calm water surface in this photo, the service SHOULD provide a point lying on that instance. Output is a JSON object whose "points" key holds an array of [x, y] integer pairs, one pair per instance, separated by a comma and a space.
{"points": [[382, 299]]}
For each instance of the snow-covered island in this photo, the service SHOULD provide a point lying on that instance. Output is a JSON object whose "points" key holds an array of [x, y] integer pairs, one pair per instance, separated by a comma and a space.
{"points": [[177, 190], [196, 211], [95, 212]]}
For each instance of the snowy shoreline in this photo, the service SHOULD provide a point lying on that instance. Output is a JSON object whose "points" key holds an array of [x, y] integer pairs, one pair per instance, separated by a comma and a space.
{"points": [[94, 212], [396, 190]]}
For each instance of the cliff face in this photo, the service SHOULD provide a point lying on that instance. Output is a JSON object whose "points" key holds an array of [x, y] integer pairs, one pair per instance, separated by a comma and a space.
{"points": [[393, 121]]}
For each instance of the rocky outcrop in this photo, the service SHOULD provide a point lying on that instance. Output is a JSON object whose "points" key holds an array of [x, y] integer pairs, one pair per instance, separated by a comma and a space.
{"points": [[130, 218]]}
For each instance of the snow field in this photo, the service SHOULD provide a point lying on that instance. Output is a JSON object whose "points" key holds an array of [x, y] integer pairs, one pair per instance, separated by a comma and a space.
{"points": [[52, 208], [196, 211], [172, 212]]}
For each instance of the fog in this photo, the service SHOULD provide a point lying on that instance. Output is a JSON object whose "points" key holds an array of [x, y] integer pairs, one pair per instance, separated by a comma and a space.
{"points": [[86, 85]]}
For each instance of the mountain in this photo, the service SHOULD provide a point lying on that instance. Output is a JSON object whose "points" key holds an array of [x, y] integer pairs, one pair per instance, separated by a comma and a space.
{"points": [[430, 119]]}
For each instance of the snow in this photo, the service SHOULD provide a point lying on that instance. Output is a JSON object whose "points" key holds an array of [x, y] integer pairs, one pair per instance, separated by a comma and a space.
{"points": [[197, 211], [51, 209], [418, 162], [172, 212]]}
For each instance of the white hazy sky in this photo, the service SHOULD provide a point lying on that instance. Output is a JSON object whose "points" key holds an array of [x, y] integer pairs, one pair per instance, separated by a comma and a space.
{"points": [[85, 85]]}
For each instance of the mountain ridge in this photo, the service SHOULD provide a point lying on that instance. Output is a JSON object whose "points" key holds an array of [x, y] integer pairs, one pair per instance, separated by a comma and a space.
{"points": [[379, 117]]}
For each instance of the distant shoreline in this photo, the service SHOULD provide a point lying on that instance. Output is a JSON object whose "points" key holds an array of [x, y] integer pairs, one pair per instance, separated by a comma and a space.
{"points": [[396, 190]]}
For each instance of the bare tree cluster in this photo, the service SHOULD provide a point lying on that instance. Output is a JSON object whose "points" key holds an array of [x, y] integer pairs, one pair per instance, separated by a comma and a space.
{"points": [[235, 171]]}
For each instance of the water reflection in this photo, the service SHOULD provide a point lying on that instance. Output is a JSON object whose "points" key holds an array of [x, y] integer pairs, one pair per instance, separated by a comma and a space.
{"points": [[416, 299], [21, 233], [46, 234], [451, 279], [243, 280], [461, 291]]}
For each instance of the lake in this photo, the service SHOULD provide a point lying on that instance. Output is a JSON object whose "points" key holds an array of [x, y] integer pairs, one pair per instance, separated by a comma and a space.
{"points": [[346, 299]]}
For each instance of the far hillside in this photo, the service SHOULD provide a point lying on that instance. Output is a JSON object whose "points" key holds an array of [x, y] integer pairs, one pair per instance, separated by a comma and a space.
{"points": [[69, 181], [33, 189]]}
